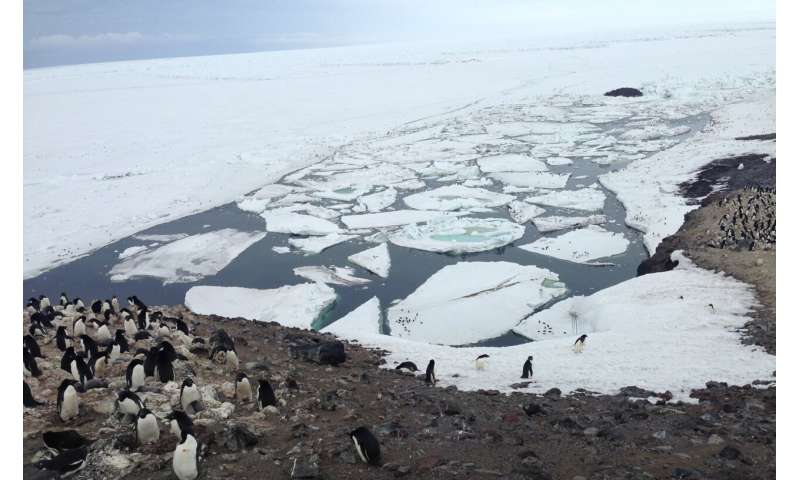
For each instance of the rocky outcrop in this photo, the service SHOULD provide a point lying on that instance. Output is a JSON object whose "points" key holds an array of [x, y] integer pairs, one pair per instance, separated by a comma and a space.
{"points": [[624, 92]]}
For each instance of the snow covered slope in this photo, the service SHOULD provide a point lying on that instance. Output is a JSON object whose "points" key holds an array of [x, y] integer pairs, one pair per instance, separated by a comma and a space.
{"points": [[111, 149]]}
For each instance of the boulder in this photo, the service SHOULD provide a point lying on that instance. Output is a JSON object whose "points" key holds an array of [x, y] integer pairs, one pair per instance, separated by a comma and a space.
{"points": [[624, 92], [327, 353]]}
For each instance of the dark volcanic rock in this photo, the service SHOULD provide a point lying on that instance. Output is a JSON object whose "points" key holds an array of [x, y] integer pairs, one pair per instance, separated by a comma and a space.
{"points": [[238, 437], [624, 92], [328, 353]]}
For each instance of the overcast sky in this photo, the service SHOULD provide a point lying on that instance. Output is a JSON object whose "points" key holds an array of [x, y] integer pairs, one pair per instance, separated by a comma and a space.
{"points": [[81, 31]]}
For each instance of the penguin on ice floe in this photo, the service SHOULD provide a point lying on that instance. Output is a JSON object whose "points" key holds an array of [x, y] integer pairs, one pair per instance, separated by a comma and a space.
{"points": [[147, 428], [243, 391], [481, 361], [367, 446], [186, 457], [66, 463], [265, 397], [27, 397], [430, 374], [527, 368], [67, 400], [577, 347], [190, 397], [179, 422], [134, 374], [409, 366]]}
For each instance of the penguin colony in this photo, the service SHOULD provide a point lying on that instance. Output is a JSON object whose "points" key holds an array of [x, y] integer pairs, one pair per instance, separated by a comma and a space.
{"points": [[747, 221], [90, 349]]}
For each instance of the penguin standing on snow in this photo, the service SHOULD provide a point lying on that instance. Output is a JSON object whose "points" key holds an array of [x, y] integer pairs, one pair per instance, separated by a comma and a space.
{"points": [[190, 397], [134, 375], [27, 397], [430, 374], [367, 445], [408, 366], [66, 463], [243, 391], [147, 430], [527, 368], [185, 458], [577, 347], [67, 400], [179, 423], [265, 397], [481, 361]]}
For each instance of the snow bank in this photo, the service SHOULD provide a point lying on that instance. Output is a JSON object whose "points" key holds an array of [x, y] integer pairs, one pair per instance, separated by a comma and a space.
{"points": [[292, 306], [458, 235], [472, 301], [581, 245], [188, 259]]}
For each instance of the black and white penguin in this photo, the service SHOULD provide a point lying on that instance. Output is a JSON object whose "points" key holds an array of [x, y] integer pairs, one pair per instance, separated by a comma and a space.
{"points": [[62, 339], [150, 361], [409, 366], [67, 400], [89, 346], [115, 304], [163, 330], [97, 307], [78, 303], [527, 368], [42, 320], [113, 351], [243, 391], [60, 441], [67, 358], [106, 307], [430, 374], [130, 327], [481, 361], [143, 319], [79, 327], [265, 397], [121, 341], [29, 362], [63, 300], [30, 343], [179, 423], [44, 302], [99, 364], [147, 429], [80, 371], [190, 397], [181, 326], [102, 334], [223, 351], [367, 446], [129, 403], [27, 397], [134, 301], [134, 374], [66, 463], [577, 347], [186, 457], [163, 370], [32, 305], [37, 329]]}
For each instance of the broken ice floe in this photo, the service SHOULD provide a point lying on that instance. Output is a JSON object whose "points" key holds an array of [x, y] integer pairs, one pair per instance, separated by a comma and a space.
{"points": [[188, 259], [580, 246], [160, 238], [458, 235], [131, 251], [379, 200], [393, 219], [511, 163], [532, 179], [456, 197], [558, 161], [555, 223], [296, 306], [331, 275], [297, 223], [590, 199], [522, 212], [364, 319], [375, 259], [471, 301], [316, 244]]}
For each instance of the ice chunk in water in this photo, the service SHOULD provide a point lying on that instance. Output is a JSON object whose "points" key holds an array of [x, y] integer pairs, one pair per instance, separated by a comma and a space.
{"points": [[511, 163], [580, 246], [393, 218], [316, 244], [458, 235], [297, 223], [471, 301], [378, 201], [456, 197], [366, 319], [375, 259], [522, 212], [554, 223], [590, 199], [332, 275], [532, 179]]}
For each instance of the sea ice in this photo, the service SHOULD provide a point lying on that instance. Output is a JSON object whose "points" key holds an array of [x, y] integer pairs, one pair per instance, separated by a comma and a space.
{"points": [[163, 238], [522, 212], [590, 199], [471, 301], [456, 197], [581, 245], [554, 223], [131, 251], [458, 235], [378, 201], [532, 179], [188, 259], [375, 259], [365, 319], [316, 244], [296, 306], [511, 163], [296, 223], [331, 275], [393, 219], [557, 161]]}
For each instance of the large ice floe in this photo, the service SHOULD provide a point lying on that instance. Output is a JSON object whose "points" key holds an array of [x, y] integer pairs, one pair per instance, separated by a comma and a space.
{"points": [[378, 201], [590, 199], [297, 223], [655, 331], [580, 246], [292, 306], [375, 259], [188, 259], [556, 222], [456, 197], [394, 218], [511, 163], [532, 179], [522, 212], [316, 244], [365, 319], [330, 275], [458, 235], [471, 301]]}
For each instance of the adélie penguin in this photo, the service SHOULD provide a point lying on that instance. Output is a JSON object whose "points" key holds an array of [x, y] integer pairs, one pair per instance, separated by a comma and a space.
{"points": [[129, 403], [190, 397], [30, 343], [430, 374], [179, 422], [410, 366], [577, 347], [481, 361], [134, 375], [66, 463], [367, 446], [67, 400], [243, 391], [527, 368], [62, 339], [59, 441], [147, 429], [265, 397], [29, 362], [186, 456], [27, 397]]}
